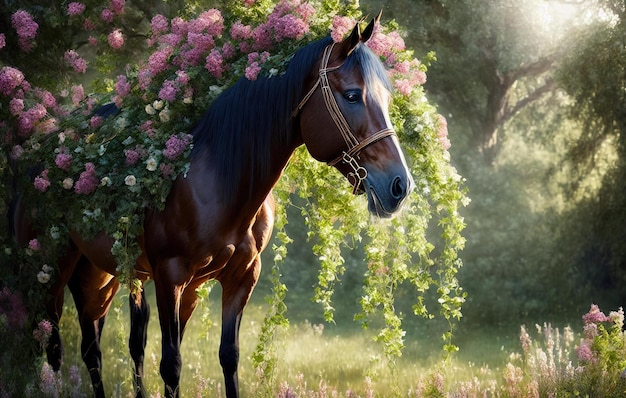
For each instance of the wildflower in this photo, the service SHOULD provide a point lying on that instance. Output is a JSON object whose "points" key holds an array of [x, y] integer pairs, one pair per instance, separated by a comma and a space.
{"points": [[107, 15], [78, 94], [105, 182], [96, 121], [75, 8], [158, 60], [43, 332], [75, 61], [63, 160], [158, 105], [341, 26], [132, 156], [164, 115], [122, 86], [26, 28], [252, 71], [168, 91], [584, 352], [239, 31], [88, 181], [150, 110], [151, 164], [33, 244], [116, 39], [12, 306], [175, 146], [41, 181], [159, 24], [117, 6], [3, 41], [214, 63], [130, 180], [68, 183], [594, 315], [442, 133], [43, 277], [16, 106], [10, 79]]}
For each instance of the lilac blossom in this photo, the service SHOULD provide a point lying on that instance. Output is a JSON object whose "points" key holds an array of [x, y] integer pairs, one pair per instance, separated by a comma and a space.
{"points": [[116, 39], [88, 180], [75, 8], [10, 79], [41, 182], [26, 29]]}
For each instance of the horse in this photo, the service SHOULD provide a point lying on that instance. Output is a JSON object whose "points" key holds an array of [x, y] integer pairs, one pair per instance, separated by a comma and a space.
{"points": [[218, 218]]}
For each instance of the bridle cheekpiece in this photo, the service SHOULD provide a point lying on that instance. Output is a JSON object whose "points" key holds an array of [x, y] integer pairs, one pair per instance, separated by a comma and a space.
{"points": [[349, 156]]}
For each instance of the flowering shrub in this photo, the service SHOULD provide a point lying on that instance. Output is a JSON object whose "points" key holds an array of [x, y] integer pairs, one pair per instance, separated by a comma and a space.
{"points": [[98, 166]]}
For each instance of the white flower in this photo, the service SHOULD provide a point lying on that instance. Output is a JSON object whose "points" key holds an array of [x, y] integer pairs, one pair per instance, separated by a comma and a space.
{"points": [[61, 137], [43, 277], [130, 180], [105, 182], [188, 100], [54, 232], [68, 183], [150, 110], [46, 268], [151, 164], [157, 105], [164, 115]]}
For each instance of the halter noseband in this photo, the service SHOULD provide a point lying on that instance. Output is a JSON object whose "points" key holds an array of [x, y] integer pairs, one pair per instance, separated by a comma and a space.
{"points": [[358, 173]]}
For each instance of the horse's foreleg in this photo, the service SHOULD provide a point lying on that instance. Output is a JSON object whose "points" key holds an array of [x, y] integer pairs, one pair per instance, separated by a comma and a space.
{"points": [[139, 317], [168, 302], [236, 292]]}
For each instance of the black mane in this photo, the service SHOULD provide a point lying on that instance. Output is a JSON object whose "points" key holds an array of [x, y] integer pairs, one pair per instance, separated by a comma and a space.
{"points": [[243, 123]]}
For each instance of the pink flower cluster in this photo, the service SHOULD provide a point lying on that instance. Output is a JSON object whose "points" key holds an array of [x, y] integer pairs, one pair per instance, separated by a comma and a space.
{"points": [[116, 39], [341, 26], [26, 29], [442, 132], [75, 61], [75, 8], [408, 75], [10, 79], [63, 160], [41, 182], [176, 145], [12, 306], [88, 180]]}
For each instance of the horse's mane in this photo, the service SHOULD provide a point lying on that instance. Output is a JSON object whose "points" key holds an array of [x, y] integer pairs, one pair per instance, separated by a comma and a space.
{"points": [[243, 123]]}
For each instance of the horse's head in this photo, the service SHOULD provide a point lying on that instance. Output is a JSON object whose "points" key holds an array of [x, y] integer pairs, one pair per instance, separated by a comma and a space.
{"points": [[344, 120]]}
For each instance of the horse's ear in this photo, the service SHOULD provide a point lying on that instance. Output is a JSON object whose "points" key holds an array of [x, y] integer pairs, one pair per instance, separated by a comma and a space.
{"points": [[349, 43], [369, 30]]}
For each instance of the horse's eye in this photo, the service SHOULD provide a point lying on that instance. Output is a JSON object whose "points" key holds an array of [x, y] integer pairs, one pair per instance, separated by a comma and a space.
{"points": [[352, 96]]}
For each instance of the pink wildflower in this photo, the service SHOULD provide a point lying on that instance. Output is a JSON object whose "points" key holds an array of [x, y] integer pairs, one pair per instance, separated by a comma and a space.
{"points": [[43, 332], [176, 145], [63, 160], [215, 63], [75, 61], [117, 6], [88, 180], [167, 170], [75, 8], [158, 60], [404, 86], [16, 106], [122, 86], [26, 28], [144, 78], [228, 50], [132, 156], [3, 41], [41, 181], [341, 26], [116, 39], [95, 121], [33, 245], [252, 71], [210, 21], [239, 31], [12, 306], [584, 352], [168, 91], [107, 15], [179, 26], [289, 26], [10, 79], [78, 94], [442, 132], [159, 24], [594, 315], [89, 25], [47, 99]]}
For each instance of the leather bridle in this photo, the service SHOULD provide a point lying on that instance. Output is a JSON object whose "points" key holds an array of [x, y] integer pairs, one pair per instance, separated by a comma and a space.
{"points": [[358, 173]]}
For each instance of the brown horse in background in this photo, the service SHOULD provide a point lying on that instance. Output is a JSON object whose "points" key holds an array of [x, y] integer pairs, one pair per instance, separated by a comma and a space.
{"points": [[217, 220]]}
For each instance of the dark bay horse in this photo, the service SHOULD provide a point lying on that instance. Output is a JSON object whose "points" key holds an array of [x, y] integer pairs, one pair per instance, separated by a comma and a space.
{"points": [[334, 99]]}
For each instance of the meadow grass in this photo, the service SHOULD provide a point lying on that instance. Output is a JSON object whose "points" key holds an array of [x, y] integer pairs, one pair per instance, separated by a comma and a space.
{"points": [[323, 360]]}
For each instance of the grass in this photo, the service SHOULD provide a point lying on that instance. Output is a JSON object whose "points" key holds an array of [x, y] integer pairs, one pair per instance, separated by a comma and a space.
{"points": [[321, 360]]}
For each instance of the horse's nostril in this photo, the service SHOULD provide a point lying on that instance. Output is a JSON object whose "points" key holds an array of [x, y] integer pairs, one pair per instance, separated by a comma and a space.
{"points": [[398, 188]]}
